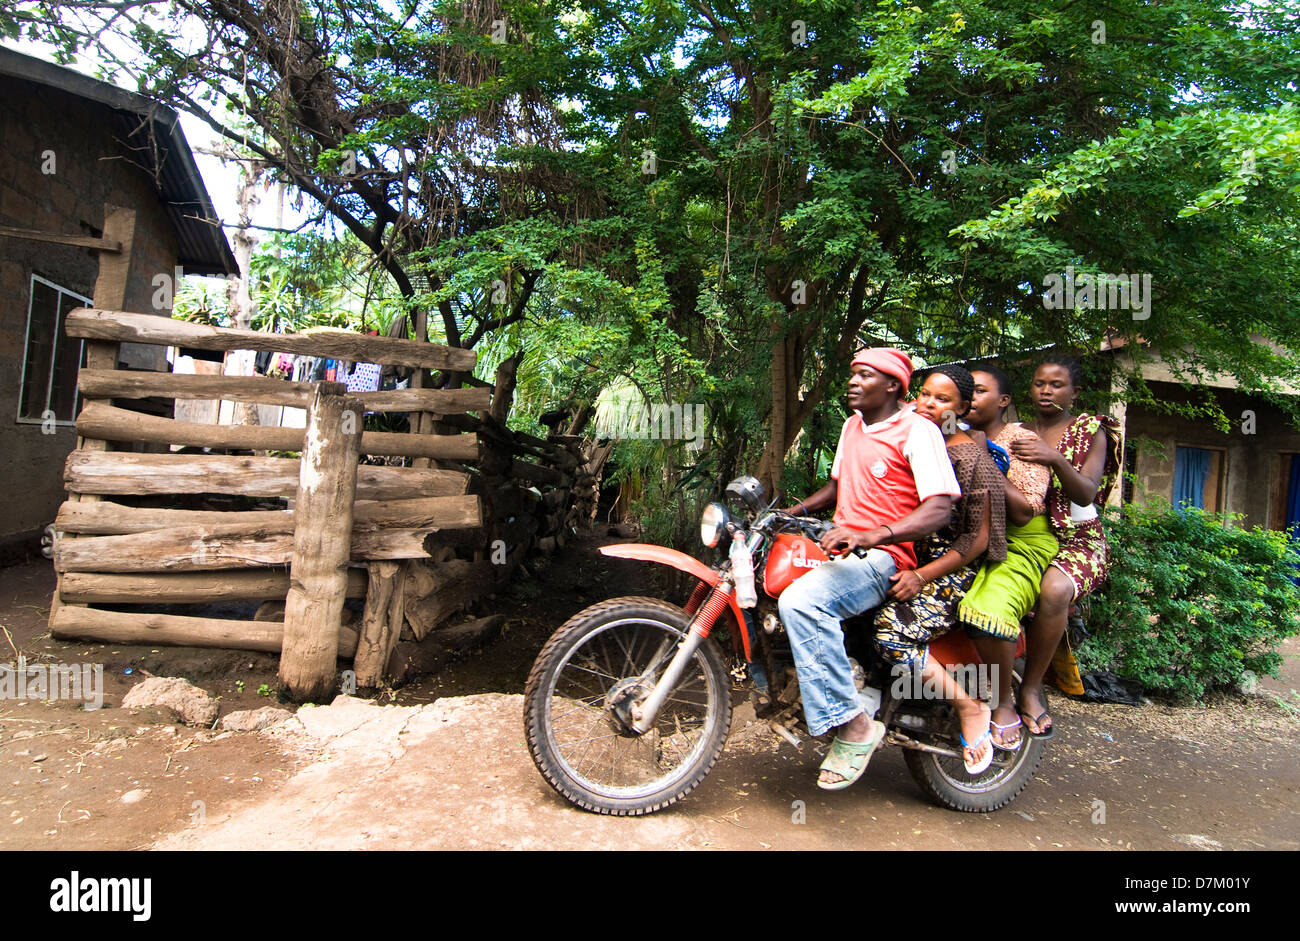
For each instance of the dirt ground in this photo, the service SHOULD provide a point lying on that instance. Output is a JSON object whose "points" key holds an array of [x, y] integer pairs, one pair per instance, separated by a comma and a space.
{"points": [[442, 763]]}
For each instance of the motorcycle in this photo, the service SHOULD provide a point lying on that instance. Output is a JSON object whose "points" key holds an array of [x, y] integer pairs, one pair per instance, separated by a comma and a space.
{"points": [[629, 703]]}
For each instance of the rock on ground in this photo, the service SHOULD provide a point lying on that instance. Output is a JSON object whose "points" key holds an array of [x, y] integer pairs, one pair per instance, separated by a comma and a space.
{"points": [[254, 720], [192, 705]]}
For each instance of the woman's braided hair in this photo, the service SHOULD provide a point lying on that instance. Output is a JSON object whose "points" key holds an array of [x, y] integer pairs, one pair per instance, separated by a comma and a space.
{"points": [[961, 378]]}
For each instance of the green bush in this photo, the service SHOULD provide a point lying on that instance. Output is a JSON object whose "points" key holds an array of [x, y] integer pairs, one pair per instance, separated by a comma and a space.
{"points": [[1192, 602]]}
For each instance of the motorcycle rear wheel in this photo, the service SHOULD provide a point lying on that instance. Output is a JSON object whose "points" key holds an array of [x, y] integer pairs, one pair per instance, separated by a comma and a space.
{"points": [[947, 783], [577, 735]]}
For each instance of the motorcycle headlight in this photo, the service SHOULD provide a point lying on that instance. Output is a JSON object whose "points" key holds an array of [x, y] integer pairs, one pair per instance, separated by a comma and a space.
{"points": [[713, 524]]}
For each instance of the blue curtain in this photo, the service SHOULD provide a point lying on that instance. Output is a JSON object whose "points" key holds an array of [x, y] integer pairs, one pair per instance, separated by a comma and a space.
{"points": [[1191, 468], [1293, 508], [1293, 493]]}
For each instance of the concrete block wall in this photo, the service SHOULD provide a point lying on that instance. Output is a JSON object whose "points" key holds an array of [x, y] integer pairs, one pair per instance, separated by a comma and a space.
{"points": [[1253, 461]]}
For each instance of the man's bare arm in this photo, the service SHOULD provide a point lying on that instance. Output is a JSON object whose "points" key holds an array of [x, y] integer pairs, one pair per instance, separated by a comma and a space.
{"points": [[823, 499], [927, 518]]}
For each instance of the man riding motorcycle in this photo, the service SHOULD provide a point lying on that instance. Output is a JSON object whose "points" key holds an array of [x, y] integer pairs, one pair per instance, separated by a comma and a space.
{"points": [[891, 483]]}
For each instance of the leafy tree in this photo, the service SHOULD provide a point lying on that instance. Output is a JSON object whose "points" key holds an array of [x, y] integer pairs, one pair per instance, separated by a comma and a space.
{"points": [[721, 202], [301, 281]]}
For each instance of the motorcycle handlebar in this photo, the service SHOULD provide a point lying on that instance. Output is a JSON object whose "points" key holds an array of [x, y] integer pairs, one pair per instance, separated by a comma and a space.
{"points": [[813, 528]]}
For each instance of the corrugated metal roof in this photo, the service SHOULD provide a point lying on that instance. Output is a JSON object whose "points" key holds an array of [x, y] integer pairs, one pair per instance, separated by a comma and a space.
{"points": [[152, 134]]}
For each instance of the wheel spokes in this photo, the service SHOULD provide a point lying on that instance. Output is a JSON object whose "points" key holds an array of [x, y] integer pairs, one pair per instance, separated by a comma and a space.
{"points": [[594, 740]]}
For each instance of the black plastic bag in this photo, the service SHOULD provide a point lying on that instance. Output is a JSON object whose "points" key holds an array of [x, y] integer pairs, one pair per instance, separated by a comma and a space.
{"points": [[1107, 687]]}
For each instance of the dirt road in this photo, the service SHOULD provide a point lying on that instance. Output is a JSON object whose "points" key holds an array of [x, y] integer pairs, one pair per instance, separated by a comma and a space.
{"points": [[456, 774], [447, 767]]}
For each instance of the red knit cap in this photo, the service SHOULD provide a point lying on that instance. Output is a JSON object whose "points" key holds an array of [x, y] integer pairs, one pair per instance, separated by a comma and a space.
{"points": [[887, 360]]}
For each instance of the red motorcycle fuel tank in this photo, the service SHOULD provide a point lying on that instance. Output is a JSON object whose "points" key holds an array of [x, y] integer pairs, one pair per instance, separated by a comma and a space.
{"points": [[790, 557]]}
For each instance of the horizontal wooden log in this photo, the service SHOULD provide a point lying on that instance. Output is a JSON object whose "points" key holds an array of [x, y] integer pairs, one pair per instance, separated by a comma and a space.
{"points": [[536, 473], [105, 518], [435, 592], [100, 420], [230, 546], [127, 384], [183, 549], [120, 472], [181, 587], [121, 627], [95, 324], [458, 512], [437, 401], [81, 241]]}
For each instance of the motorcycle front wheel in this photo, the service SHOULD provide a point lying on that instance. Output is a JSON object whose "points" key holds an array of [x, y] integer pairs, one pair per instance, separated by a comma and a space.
{"points": [[578, 702]]}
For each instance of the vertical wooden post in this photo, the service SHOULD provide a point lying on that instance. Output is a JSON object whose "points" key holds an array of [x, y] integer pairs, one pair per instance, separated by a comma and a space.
{"points": [[421, 422], [318, 573], [381, 621], [109, 294]]}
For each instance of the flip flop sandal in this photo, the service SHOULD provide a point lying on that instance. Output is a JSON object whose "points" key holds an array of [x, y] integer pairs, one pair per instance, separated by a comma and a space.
{"points": [[1038, 720], [1002, 729], [849, 759], [982, 765]]}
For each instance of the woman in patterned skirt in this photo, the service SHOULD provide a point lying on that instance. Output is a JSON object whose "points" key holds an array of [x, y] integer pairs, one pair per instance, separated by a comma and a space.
{"points": [[1083, 454], [924, 599]]}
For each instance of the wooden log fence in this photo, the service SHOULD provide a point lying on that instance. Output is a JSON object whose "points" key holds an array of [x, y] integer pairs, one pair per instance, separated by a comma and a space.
{"points": [[418, 543]]}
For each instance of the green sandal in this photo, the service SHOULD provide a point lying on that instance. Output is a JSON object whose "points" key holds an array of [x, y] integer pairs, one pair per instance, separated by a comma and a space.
{"points": [[849, 759]]}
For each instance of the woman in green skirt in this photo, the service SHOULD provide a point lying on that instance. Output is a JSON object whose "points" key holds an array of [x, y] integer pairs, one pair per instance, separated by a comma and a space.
{"points": [[1004, 592]]}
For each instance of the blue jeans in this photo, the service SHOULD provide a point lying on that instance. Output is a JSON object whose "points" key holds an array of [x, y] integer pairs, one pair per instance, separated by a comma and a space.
{"points": [[811, 610]]}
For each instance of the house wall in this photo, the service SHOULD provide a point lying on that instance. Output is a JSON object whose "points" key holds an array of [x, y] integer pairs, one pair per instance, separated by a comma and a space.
{"points": [[90, 169], [1254, 472]]}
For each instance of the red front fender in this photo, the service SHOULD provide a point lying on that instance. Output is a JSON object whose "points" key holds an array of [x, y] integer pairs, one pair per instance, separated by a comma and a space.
{"points": [[684, 563]]}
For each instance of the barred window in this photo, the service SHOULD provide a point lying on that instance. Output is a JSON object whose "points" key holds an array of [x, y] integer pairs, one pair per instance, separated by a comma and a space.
{"points": [[51, 358]]}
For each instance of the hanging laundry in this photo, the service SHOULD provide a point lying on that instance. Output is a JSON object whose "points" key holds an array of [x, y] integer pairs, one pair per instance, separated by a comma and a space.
{"points": [[365, 378]]}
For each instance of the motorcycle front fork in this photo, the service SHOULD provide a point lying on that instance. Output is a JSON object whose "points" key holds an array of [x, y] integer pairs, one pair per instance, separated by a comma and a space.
{"points": [[646, 711]]}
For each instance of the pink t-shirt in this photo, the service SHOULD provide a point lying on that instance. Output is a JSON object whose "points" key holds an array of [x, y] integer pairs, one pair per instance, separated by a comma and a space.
{"points": [[886, 469]]}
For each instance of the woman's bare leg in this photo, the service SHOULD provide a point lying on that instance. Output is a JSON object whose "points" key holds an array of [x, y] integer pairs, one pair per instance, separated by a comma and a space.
{"points": [[1044, 637], [1000, 655], [974, 715]]}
